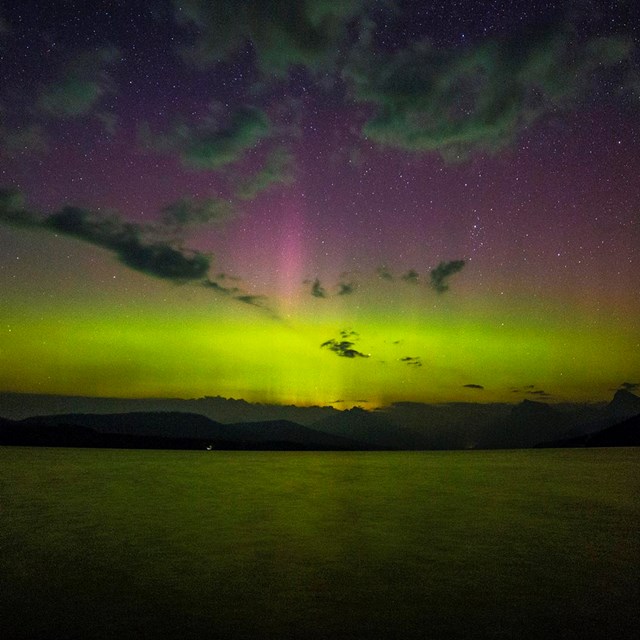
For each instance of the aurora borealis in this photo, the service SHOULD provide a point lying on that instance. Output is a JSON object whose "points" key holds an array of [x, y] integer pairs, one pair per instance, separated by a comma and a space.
{"points": [[352, 203]]}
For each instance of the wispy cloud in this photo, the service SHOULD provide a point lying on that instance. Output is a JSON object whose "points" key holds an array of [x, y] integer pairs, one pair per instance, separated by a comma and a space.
{"points": [[413, 361], [282, 35], [80, 85], [410, 276], [277, 169], [384, 273], [187, 212], [215, 142], [478, 97]]}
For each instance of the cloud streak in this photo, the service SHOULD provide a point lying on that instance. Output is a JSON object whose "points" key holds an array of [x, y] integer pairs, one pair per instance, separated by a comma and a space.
{"points": [[135, 246], [412, 361], [128, 242]]}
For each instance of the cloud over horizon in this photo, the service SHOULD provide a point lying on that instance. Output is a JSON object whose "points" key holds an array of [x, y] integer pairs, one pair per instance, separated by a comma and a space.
{"points": [[135, 246], [343, 346], [441, 274]]}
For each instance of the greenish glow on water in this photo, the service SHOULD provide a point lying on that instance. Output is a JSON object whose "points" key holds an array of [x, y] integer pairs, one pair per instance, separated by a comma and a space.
{"points": [[144, 544]]}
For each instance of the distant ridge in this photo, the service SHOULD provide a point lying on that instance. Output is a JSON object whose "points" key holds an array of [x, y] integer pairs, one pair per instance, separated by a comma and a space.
{"points": [[167, 430], [404, 425], [364, 426]]}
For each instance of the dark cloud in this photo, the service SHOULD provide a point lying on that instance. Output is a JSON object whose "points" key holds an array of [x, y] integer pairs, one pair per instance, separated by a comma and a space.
{"points": [[539, 392], [281, 34], [136, 246], [443, 272], [410, 276], [344, 345], [128, 241], [532, 390], [480, 96], [473, 386], [346, 288], [629, 386], [317, 290], [277, 169], [253, 300], [13, 210], [220, 288], [414, 361], [80, 85], [236, 293], [186, 212], [343, 348], [215, 142]]}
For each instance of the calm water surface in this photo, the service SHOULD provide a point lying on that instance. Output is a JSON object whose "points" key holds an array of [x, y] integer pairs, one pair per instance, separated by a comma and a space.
{"points": [[144, 544]]}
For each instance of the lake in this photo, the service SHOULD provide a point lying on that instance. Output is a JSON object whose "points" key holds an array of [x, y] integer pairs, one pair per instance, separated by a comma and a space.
{"points": [[465, 544]]}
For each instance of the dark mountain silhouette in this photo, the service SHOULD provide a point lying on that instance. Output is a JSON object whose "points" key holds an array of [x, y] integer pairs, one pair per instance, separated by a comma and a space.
{"points": [[527, 424], [17, 406], [163, 424], [175, 430], [404, 425], [365, 426], [624, 405], [623, 434], [286, 431], [34, 434]]}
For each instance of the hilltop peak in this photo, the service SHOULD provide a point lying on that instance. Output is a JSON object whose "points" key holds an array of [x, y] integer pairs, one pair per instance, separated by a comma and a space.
{"points": [[624, 403], [532, 407]]}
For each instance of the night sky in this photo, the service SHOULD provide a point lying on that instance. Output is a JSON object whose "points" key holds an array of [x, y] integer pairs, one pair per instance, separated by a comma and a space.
{"points": [[347, 203]]}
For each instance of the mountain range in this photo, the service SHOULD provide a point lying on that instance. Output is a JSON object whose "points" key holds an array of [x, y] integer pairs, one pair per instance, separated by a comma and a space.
{"points": [[401, 426]]}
